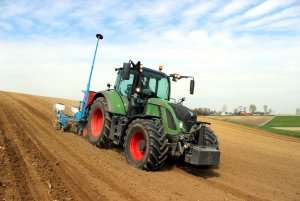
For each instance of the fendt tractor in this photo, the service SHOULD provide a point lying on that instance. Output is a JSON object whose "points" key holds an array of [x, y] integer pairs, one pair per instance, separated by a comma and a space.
{"points": [[139, 114]]}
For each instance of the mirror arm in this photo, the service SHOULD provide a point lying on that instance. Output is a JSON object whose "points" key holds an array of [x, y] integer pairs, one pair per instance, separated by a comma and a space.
{"points": [[187, 77], [183, 76]]}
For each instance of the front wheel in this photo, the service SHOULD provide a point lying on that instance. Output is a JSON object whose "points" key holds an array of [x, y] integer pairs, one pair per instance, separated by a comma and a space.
{"points": [[210, 138], [145, 144]]}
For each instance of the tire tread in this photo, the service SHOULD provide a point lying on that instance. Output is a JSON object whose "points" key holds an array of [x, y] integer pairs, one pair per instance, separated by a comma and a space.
{"points": [[158, 149]]}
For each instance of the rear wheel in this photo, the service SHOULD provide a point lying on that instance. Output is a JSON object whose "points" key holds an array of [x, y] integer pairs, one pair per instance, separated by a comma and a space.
{"points": [[85, 132], [99, 122], [145, 144], [82, 131]]}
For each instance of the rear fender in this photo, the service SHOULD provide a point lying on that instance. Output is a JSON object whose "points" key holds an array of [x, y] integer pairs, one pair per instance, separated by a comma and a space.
{"points": [[115, 103]]}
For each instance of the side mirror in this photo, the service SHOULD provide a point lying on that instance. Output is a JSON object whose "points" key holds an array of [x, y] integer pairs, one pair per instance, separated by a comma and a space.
{"points": [[126, 71], [192, 86]]}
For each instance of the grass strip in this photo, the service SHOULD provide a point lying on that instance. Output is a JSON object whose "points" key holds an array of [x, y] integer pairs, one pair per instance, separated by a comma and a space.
{"points": [[266, 128], [284, 121]]}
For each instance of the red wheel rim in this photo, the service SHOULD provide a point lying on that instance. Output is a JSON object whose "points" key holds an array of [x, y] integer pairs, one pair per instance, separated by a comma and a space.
{"points": [[85, 132], [97, 122], [135, 140]]}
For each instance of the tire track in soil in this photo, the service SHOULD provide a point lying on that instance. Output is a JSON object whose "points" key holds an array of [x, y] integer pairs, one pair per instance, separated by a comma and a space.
{"points": [[70, 184], [30, 107], [34, 113], [190, 169], [14, 165], [44, 167], [81, 160]]}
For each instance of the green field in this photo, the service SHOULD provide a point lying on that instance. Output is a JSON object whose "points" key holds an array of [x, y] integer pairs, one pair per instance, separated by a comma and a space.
{"points": [[284, 121], [278, 121]]}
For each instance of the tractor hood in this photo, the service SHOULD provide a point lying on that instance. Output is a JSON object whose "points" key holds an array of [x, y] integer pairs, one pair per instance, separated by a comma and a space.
{"points": [[174, 114], [184, 114]]}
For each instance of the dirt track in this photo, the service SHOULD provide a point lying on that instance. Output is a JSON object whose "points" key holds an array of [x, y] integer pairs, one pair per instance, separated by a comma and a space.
{"points": [[40, 163]]}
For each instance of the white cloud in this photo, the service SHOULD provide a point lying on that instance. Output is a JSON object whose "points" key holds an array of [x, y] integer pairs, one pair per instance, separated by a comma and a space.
{"points": [[232, 8], [196, 14], [264, 8], [283, 24], [200, 9], [264, 13], [6, 26], [17, 8], [292, 12]]}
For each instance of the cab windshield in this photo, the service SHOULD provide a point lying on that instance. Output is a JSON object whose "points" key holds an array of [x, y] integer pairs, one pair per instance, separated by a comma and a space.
{"points": [[150, 82], [156, 83]]}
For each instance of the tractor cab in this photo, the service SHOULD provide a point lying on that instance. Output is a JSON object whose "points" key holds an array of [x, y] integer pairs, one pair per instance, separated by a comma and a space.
{"points": [[137, 84]]}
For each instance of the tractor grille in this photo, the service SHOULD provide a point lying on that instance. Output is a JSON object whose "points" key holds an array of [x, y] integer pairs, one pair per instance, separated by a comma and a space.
{"points": [[170, 120]]}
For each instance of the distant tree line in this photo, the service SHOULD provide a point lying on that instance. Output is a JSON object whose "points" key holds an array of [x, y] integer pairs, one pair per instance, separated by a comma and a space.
{"points": [[240, 110], [252, 110], [205, 111]]}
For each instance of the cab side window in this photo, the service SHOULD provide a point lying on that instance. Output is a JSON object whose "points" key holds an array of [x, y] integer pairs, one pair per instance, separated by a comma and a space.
{"points": [[125, 86]]}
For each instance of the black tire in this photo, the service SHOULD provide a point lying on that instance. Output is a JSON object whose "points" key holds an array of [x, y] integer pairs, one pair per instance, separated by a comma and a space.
{"points": [[209, 140], [150, 154], [99, 122], [209, 137]]}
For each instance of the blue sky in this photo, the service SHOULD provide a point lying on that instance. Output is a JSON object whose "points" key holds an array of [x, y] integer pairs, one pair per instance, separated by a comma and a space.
{"points": [[240, 52]]}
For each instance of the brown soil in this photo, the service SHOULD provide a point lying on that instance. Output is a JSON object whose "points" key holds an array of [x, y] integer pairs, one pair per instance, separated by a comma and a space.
{"points": [[257, 120], [41, 163]]}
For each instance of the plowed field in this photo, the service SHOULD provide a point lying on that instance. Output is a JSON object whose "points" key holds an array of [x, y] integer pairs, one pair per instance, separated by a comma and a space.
{"points": [[41, 163]]}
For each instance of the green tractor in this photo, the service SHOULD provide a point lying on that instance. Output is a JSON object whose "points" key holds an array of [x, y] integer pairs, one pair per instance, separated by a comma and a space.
{"points": [[138, 114]]}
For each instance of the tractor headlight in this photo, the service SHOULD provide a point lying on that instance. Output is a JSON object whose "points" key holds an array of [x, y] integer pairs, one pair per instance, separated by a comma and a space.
{"points": [[181, 125]]}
